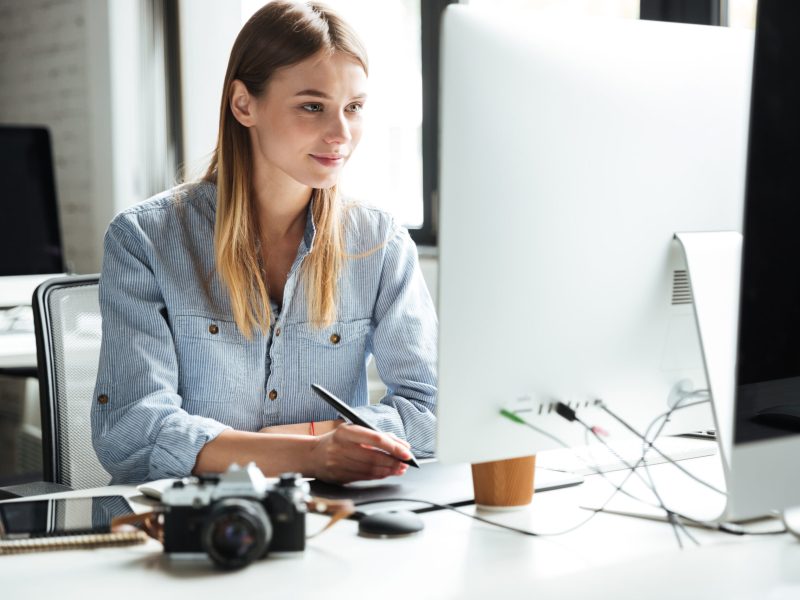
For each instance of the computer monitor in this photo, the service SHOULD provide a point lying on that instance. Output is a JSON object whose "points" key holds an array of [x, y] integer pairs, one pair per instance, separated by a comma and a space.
{"points": [[766, 446], [571, 153], [30, 244]]}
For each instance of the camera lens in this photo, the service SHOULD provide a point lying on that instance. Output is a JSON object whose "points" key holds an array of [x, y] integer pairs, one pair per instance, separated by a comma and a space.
{"points": [[236, 533]]}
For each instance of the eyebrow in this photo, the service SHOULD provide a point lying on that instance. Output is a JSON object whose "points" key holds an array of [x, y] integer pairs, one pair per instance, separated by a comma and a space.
{"points": [[319, 94]]}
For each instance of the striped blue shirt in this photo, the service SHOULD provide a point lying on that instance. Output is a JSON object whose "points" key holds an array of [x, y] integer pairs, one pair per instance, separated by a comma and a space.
{"points": [[175, 371]]}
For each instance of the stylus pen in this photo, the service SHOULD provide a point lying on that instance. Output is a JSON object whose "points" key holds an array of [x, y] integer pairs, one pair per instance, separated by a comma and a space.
{"points": [[348, 415]]}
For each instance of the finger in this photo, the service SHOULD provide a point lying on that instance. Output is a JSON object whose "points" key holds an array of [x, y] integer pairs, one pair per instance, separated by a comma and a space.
{"points": [[399, 439], [355, 456], [361, 435], [354, 470], [373, 457]]}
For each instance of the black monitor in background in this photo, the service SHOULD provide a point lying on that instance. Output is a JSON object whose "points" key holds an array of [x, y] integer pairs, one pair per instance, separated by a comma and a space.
{"points": [[30, 241], [768, 375]]}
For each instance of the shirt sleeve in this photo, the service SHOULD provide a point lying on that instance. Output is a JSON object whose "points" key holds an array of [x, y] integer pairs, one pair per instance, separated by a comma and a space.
{"points": [[139, 430], [404, 346]]}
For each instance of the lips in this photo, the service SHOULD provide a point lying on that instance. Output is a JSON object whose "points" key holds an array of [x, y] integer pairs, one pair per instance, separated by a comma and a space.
{"points": [[329, 160]]}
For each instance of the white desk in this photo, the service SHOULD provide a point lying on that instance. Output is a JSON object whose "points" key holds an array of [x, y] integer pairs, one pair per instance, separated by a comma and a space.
{"points": [[454, 557], [17, 340], [17, 350]]}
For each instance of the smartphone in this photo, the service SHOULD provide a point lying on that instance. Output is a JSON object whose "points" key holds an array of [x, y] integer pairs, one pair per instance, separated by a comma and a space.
{"points": [[21, 519]]}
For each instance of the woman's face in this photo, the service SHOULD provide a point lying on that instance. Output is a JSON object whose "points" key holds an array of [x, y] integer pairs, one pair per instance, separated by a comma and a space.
{"points": [[308, 121]]}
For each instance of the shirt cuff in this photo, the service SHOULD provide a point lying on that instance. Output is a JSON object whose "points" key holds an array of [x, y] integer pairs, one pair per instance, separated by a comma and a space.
{"points": [[179, 442]]}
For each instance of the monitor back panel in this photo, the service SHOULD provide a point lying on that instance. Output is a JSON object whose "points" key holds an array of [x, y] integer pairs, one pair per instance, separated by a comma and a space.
{"points": [[571, 152]]}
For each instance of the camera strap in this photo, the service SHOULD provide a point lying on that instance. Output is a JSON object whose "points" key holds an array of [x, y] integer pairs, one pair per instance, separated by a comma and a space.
{"points": [[152, 523], [337, 509]]}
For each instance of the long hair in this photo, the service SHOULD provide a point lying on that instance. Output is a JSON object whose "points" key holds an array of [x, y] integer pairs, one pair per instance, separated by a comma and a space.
{"points": [[280, 34]]}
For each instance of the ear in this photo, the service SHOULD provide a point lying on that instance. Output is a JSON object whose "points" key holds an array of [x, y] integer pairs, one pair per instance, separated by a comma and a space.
{"points": [[242, 104]]}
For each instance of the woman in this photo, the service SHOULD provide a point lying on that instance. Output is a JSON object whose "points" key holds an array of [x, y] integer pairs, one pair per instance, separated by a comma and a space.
{"points": [[223, 300]]}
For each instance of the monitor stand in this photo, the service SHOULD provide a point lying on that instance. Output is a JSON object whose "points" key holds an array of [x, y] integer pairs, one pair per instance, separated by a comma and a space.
{"points": [[791, 520], [713, 263]]}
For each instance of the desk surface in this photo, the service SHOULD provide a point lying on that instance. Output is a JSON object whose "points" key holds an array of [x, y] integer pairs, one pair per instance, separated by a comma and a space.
{"points": [[17, 350], [454, 557]]}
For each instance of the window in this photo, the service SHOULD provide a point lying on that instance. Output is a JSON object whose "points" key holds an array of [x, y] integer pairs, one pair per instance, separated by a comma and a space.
{"points": [[597, 8], [733, 13], [742, 13]]}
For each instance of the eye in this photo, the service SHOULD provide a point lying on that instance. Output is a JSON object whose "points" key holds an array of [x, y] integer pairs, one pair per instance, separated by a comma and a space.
{"points": [[312, 107], [356, 107]]}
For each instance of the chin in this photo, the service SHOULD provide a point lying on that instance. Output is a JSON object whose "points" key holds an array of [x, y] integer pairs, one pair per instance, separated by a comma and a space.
{"points": [[321, 183]]}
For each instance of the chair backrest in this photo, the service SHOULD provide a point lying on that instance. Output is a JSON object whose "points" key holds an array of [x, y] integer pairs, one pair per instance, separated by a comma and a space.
{"points": [[68, 331]]}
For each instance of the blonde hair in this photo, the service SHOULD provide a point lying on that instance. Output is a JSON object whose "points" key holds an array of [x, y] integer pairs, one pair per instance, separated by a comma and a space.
{"points": [[280, 34]]}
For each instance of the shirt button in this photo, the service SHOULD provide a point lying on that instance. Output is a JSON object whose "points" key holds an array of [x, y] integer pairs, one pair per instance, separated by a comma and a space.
{"points": [[102, 399], [213, 329], [278, 332], [336, 338], [273, 395]]}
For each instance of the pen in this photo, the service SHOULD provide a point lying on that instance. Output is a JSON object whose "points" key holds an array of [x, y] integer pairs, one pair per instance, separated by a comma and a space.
{"points": [[349, 415]]}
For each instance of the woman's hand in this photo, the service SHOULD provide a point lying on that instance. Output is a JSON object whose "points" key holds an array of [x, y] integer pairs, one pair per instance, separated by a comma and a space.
{"points": [[353, 453]]}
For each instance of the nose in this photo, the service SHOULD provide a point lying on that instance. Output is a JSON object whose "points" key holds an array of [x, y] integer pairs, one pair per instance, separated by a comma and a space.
{"points": [[338, 129]]}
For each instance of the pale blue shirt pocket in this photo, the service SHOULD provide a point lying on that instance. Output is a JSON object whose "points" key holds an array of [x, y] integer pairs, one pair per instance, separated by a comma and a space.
{"points": [[219, 374], [333, 357]]}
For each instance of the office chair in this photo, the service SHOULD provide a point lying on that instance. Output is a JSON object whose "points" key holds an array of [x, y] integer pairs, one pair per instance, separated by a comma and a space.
{"points": [[68, 331]]}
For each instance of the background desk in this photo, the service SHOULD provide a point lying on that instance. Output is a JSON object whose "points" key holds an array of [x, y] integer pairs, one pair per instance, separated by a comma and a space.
{"points": [[454, 557], [20, 422], [18, 351]]}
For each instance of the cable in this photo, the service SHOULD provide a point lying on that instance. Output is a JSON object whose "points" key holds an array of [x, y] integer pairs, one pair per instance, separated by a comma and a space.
{"points": [[454, 509], [569, 414], [649, 444], [667, 458], [648, 484], [672, 516], [722, 527], [517, 419], [596, 469], [675, 517], [481, 519]]}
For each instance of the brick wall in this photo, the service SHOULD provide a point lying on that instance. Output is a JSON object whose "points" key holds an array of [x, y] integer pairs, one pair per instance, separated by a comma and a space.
{"points": [[44, 81]]}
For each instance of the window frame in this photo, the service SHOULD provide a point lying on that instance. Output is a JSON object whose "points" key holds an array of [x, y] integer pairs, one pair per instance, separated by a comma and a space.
{"points": [[431, 12], [697, 12]]}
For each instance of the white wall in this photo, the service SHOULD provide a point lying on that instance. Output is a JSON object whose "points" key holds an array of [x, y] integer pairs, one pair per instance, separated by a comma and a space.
{"points": [[71, 65], [208, 30], [43, 81]]}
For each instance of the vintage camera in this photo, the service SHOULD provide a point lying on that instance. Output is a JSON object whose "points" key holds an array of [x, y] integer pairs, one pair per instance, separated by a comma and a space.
{"points": [[236, 517]]}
